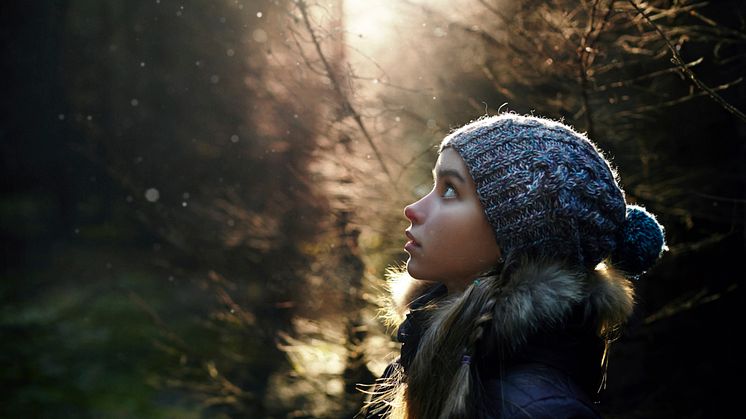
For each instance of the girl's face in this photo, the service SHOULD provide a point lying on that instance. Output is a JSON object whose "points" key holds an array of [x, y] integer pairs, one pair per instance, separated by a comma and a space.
{"points": [[450, 239]]}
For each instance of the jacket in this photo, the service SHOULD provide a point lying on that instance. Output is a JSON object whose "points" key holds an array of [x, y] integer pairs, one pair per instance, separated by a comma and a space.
{"points": [[555, 375], [549, 372]]}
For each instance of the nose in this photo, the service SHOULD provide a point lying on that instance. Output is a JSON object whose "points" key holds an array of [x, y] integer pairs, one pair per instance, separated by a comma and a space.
{"points": [[412, 213]]}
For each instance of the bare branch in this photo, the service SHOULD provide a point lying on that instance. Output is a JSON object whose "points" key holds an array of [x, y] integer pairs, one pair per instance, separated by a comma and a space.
{"points": [[688, 303], [680, 62], [346, 104], [679, 100], [623, 83]]}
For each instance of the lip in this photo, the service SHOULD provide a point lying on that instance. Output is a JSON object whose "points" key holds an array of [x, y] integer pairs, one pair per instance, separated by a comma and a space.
{"points": [[412, 243]]}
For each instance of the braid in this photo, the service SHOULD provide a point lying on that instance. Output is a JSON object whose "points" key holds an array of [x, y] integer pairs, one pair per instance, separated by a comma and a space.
{"points": [[483, 321], [473, 314]]}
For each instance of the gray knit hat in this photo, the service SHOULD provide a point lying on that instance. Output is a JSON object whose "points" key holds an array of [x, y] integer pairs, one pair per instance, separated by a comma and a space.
{"points": [[548, 191]]}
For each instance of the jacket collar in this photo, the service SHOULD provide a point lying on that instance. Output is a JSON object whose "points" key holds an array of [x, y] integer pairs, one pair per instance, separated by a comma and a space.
{"points": [[540, 298], [410, 331]]}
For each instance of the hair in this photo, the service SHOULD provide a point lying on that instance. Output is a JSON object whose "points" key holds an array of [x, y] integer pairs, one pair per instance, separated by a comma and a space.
{"points": [[439, 383]]}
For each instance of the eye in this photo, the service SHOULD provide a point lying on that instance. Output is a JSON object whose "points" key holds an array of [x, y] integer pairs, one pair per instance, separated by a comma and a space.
{"points": [[449, 192]]}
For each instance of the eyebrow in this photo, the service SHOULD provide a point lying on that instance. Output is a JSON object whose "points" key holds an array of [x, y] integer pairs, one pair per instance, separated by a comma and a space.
{"points": [[449, 172]]}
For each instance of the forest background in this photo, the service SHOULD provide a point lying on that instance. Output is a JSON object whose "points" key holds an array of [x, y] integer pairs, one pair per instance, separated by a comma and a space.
{"points": [[200, 198]]}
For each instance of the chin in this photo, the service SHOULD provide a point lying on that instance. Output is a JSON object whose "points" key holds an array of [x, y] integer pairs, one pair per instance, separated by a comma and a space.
{"points": [[416, 273], [412, 270]]}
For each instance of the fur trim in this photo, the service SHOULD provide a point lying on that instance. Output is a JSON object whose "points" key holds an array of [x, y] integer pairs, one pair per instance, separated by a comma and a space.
{"points": [[538, 295], [542, 295], [403, 290], [612, 297]]}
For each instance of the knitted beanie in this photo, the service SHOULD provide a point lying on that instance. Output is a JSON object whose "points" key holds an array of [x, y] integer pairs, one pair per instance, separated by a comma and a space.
{"points": [[548, 191]]}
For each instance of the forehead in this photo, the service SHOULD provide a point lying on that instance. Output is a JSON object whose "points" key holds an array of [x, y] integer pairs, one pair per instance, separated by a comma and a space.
{"points": [[450, 160]]}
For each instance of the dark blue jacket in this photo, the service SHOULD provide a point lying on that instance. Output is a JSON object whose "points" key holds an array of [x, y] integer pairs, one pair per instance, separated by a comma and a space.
{"points": [[552, 376], [536, 391]]}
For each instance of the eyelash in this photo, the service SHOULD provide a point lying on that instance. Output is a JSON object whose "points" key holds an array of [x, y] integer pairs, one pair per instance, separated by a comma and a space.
{"points": [[447, 187]]}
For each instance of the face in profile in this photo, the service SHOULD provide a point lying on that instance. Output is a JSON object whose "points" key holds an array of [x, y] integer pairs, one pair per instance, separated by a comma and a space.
{"points": [[450, 239]]}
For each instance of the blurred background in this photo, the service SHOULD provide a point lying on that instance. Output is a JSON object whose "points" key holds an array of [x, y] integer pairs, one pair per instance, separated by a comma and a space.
{"points": [[200, 199]]}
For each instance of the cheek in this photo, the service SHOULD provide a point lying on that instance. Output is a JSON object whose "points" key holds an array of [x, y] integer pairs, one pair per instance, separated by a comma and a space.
{"points": [[475, 243], [487, 247], [468, 243], [468, 228]]}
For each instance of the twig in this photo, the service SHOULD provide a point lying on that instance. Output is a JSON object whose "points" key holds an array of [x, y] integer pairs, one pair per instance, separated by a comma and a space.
{"points": [[721, 198], [623, 83], [346, 104], [677, 101], [680, 62], [584, 60], [676, 307]]}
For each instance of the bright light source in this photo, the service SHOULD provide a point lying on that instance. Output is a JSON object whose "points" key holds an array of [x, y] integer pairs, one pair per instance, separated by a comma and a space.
{"points": [[369, 20]]}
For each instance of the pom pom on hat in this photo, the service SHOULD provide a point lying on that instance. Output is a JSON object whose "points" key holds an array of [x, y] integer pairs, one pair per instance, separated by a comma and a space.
{"points": [[640, 243]]}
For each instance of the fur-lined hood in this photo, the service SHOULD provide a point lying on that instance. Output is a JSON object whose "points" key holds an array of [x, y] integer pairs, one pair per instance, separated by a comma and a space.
{"points": [[538, 296]]}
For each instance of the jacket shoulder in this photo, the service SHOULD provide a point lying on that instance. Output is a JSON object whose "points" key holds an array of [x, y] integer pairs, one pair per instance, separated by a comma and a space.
{"points": [[536, 391]]}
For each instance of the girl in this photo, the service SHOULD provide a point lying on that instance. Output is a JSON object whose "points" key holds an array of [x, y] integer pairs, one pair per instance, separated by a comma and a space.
{"points": [[522, 256]]}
